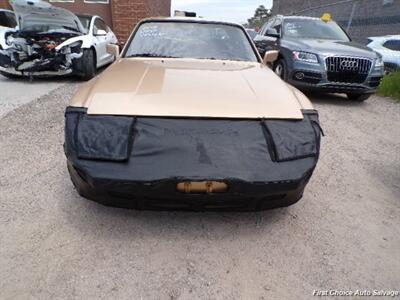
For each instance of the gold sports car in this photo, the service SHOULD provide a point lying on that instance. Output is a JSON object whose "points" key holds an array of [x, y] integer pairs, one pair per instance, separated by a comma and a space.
{"points": [[190, 117]]}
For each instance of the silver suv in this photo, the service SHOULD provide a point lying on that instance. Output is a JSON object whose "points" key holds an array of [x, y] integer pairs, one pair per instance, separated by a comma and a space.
{"points": [[317, 54]]}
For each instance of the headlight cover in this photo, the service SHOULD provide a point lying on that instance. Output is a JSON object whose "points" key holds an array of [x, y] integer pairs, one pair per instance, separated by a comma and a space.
{"points": [[9, 40], [305, 57], [379, 63], [71, 48]]}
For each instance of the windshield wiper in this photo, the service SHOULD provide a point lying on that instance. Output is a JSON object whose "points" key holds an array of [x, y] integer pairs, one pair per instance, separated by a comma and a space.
{"points": [[151, 55], [214, 58]]}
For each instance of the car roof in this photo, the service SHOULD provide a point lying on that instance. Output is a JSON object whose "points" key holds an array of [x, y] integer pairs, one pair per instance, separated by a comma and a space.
{"points": [[190, 20], [298, 17], [384, 37]]}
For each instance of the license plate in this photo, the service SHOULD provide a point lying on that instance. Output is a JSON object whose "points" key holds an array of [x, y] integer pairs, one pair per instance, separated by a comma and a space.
{"points": [[202, 187]]}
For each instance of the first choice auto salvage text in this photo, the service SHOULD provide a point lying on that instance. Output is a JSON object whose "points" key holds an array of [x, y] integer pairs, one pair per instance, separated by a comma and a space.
{"points": [[366, 293]]}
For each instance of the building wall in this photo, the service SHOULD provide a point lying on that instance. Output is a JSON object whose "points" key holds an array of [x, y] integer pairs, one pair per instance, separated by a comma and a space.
{"points": [[369, 17], [80, 7], [126, 14], [5, 4], [159, 8]]}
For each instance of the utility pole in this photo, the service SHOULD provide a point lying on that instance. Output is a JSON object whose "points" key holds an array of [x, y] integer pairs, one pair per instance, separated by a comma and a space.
{"points": [[351, 15]]}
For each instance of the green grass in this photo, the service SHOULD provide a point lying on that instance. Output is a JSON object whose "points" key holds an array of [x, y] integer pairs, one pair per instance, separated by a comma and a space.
{"points": [[390, 86]]}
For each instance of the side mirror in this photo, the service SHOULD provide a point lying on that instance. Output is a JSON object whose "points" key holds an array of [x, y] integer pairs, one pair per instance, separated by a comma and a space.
{"points": [[271, 32], [113, 50], [270, 57], [100, 32]]}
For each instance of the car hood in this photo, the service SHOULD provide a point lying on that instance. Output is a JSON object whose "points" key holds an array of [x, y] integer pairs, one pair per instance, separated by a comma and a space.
{"points": [[189, 88], [330, 47], [29, 13]]}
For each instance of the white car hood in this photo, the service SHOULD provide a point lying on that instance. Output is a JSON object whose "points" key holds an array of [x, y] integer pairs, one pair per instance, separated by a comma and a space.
{"points": [[31, 12]]}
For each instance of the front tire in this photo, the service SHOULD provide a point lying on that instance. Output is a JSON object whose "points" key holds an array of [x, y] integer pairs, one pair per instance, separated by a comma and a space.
{"points": [[87, 64], [280, 69], [358, 97]]}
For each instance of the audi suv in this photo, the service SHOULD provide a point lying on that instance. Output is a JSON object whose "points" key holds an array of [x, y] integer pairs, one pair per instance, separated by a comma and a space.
{"points": [[317, 54]]}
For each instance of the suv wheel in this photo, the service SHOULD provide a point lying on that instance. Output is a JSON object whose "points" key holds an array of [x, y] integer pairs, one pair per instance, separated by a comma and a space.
{"points": [[358, 97], [280, 69]]}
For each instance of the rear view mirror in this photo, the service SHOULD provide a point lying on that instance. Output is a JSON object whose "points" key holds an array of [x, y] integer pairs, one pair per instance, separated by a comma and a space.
{"points": [[271, 32], [100, 32], [113, 50], [270, 57]]}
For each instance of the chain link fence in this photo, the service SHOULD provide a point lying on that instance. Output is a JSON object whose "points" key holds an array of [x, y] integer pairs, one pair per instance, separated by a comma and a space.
{"points": [[361, 18]]}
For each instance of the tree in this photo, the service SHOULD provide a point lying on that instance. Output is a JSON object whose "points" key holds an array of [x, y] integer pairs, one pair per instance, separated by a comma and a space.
{"points": [[261, 15]]}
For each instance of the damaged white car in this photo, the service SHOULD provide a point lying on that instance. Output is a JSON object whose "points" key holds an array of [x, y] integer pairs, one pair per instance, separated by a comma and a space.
{"points": [[50, 41]]}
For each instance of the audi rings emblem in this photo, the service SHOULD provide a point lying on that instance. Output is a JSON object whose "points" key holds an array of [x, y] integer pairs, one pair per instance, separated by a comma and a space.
{"points": [[349, 64]]}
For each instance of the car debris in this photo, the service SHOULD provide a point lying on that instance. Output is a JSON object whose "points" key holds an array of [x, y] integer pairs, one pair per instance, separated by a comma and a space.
{"points": [[48, 41]]}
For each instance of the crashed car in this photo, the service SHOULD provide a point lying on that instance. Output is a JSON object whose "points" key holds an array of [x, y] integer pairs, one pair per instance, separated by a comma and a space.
{"points": [[53, 41], [190, 117]]}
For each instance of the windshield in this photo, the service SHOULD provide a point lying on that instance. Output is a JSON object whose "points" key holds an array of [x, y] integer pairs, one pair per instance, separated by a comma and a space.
{"points": [[85, 20], [7, 19], [313, 29], [191, 40]]}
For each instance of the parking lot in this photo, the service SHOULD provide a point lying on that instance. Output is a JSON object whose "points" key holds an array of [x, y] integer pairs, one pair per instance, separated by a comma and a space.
{"points": [[15, 93], [344, 233]]}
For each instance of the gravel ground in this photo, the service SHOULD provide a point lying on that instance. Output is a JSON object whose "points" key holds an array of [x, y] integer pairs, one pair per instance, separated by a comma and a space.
{"points": [[344, 233], [15, 93]]}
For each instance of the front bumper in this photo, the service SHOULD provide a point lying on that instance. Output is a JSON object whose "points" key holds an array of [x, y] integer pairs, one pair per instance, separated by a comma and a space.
{"points": [[141, 163], [12, 71], [163, 195], [315, 78], [58, 65]]}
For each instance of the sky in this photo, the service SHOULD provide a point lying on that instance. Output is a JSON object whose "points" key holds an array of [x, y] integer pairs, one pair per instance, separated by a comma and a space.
{"points": [[228, 10]]}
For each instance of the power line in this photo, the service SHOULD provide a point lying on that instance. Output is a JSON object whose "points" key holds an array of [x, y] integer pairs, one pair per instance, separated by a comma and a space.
{"points": [[324, 5]]}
